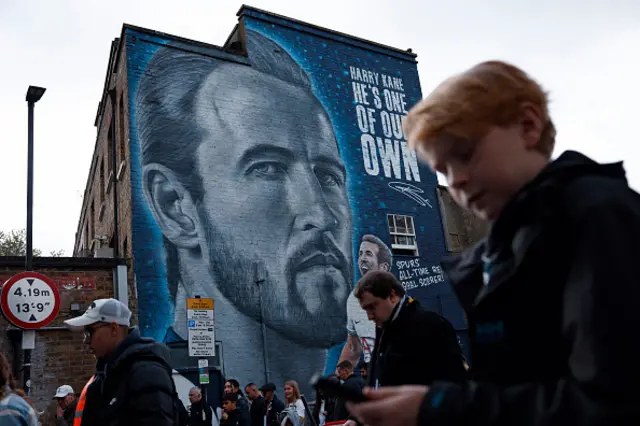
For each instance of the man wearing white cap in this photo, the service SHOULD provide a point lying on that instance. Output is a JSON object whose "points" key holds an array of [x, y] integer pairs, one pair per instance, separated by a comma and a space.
{"points": [[66, 398], [132, 384]]}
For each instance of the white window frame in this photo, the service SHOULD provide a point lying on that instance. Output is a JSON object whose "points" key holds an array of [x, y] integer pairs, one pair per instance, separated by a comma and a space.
{"points": [[394, 233]]}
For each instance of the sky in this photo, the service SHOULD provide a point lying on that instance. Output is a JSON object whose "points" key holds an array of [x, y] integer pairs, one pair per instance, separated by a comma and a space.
{"points": [[585, 53]]}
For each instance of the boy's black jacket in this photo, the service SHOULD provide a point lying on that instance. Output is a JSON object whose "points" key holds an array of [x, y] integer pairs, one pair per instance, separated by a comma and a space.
{"points": [[555, 332]]}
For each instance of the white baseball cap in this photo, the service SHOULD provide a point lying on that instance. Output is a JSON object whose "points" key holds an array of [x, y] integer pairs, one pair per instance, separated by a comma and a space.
{"points": [[63, 391], [102, 310]]}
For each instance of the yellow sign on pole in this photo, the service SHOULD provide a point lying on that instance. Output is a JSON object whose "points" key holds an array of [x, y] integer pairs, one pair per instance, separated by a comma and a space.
{"points": [[201, 326], [197, 303]]}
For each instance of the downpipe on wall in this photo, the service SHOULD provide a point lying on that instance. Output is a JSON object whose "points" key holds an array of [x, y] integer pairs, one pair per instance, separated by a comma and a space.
{"points": [[112, 126], [259, 276]]}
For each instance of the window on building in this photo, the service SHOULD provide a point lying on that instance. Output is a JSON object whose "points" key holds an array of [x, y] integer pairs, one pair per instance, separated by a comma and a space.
{"points": [[121, 135], [102, 179], [403, 235]]}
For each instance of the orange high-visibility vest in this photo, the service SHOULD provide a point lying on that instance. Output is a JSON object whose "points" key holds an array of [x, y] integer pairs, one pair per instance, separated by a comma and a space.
{"points": [[77, 420]]}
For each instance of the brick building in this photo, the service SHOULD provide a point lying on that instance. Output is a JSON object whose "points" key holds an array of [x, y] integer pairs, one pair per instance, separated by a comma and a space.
{"points": [[59, 356], [252, 173], [461, 228]]}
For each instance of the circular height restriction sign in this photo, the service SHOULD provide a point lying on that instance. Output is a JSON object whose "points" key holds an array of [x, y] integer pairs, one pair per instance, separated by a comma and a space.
{"points": [[30, 300]]}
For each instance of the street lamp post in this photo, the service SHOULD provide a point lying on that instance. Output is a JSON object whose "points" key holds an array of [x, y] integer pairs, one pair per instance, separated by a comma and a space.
{"points": [[34, 94]]}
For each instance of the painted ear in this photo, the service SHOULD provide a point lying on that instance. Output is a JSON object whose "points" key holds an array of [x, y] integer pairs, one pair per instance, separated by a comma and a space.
{"points": [[531, 124], [171, 205]]}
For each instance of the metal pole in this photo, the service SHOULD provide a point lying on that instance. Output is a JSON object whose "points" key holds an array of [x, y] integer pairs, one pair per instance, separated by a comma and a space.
{"points": [[259, 277], [116, 237], [29, 253], [265, 353], [26, 361], [26, 365]]}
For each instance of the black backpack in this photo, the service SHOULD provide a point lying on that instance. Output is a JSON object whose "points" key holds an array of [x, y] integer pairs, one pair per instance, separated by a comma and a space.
{"points": [[181, 414]]}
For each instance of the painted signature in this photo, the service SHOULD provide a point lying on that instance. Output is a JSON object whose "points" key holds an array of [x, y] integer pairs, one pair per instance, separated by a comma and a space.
{"points": [[410, 191]]}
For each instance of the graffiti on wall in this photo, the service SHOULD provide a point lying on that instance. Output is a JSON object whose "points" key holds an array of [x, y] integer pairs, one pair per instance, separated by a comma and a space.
{"points": [[262, 183], [413, 275], [65, 283], [380, 107]]}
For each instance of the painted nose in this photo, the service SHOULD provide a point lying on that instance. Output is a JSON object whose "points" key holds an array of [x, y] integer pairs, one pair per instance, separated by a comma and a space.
{"points": [[312, 212]]}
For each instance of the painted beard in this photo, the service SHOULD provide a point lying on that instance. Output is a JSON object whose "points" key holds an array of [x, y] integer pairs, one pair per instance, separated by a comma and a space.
{"points": [[292, 315]]}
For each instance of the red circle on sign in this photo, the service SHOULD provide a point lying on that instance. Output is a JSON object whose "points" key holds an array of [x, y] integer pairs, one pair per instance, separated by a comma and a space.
{"points": [[4, 300]]}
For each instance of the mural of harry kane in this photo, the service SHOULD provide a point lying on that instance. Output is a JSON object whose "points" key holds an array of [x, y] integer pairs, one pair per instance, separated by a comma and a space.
{"points": [[242, 173], [374, 255]]}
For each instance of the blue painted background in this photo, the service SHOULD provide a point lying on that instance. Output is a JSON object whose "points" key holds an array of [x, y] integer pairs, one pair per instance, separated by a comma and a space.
{"points": [[326, 59]]}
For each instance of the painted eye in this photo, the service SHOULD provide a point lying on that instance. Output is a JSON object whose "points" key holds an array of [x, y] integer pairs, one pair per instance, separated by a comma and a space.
{"points": [[267, 170], [328, 178]]}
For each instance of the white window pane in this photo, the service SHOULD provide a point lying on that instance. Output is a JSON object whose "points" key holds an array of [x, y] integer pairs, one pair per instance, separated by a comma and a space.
{"points": [[410, 225], [400, 223]]}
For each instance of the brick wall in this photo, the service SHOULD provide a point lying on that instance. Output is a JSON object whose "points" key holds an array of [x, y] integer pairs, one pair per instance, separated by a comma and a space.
{"points": [[60, 357], [96, 216], [462, 229]]}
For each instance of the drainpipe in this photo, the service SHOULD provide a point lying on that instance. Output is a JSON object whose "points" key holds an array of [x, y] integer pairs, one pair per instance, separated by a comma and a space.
{"points": [[116, 237], [259, 275]]}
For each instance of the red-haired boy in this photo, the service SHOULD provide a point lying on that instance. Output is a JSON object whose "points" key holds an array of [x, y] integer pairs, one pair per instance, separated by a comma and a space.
{"points": [[552, 294]]}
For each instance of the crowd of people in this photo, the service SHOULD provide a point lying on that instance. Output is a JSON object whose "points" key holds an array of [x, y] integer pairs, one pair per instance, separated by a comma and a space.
{"points": [[261, 406]]}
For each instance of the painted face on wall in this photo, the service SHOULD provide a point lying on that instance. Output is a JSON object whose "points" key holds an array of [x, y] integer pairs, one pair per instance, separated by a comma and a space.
{"points": [[368, 257], [270, 147]]}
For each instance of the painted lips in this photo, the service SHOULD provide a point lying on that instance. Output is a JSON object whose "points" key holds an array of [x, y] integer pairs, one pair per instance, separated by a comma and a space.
{"points": [[319, 259]]}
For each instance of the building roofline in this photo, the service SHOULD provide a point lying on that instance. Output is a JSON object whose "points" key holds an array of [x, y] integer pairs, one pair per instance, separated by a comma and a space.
{"points": [[405, 52], [161, 34]]}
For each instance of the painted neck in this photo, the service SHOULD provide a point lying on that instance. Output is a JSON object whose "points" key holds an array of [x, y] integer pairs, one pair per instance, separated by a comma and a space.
{"points": [[243, 343]]}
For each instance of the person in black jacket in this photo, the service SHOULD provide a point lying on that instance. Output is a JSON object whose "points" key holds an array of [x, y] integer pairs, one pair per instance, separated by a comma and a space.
{"points": [[325, 404], [356, 384], [133, 383], [200, 413], [552, 293], [413, 345], [258, 408], [231, 415], [233, 386], [274, 405]]}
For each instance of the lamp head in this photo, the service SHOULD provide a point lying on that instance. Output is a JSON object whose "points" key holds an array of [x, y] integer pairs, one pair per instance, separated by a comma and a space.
{"points": [[34, 93]]}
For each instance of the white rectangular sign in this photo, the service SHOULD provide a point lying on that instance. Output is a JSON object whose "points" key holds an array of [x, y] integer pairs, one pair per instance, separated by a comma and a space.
{"points": [[201, 326]]}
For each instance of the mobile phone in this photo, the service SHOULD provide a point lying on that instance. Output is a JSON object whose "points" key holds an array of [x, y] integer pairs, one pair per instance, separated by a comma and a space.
{"points": [[333, 387]]}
